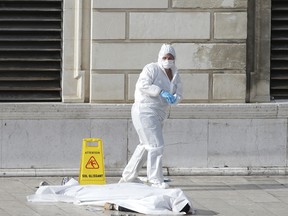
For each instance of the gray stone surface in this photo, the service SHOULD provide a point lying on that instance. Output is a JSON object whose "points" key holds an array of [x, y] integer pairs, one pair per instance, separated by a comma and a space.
{"points": [[192, 25], [57, 143], [200, 83], [211, 56], [210, 3], [235, 140], [185, 143], [208, 35], [108, 25], [114, 136], [244, 137], [99, 4], [223, 82], [107, 87], [46, 143], [260, 43], [230, 25], [210, 195]]}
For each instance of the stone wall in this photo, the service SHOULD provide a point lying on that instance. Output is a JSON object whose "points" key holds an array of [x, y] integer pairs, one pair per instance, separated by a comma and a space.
{"points": [[232, 139], [209, 37]]}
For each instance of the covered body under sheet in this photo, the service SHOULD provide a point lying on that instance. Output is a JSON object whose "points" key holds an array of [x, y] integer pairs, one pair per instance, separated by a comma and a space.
{"points": [[135, 196]]}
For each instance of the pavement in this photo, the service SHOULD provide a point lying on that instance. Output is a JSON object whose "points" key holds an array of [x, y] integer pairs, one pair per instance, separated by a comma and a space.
{"points": [[210, 195]]}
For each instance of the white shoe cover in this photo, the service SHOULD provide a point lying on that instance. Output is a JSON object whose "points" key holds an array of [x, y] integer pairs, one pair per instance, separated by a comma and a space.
{"points": [[136, 180], [162, 185]]}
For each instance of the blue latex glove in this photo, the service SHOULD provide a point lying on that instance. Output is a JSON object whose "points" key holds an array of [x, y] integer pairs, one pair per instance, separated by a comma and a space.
{"points": [[169, 97]]}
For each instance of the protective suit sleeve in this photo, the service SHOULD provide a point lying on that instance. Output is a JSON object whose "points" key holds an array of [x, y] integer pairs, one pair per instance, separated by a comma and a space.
{"points": [[145, 82]]}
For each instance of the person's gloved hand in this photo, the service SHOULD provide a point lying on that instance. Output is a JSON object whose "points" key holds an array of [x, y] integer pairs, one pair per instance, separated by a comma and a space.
{"points": [[169, 97]]}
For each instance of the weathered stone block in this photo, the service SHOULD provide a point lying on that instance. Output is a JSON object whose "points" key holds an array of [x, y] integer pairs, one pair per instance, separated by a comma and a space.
{"points": [[43, 143], [247, 142], [209, 4], [130, 4], [132, 79], [229, 86], [193, 25], [230, 25], [107, 87], [57, 143], [195, 86], [189, 56], [211, 56], [126, 55], [108, 25], [186, 138]]}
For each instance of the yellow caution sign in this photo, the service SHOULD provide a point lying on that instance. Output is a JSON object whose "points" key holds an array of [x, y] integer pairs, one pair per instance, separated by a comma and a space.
{"points": [[92, 162]]}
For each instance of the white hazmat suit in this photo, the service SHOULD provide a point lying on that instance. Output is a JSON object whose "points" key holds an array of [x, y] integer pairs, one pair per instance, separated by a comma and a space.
{"points": [[149, 111]]}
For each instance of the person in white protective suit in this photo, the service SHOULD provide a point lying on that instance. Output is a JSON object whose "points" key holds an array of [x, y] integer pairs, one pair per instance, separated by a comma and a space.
{"points": [[158, 87]]}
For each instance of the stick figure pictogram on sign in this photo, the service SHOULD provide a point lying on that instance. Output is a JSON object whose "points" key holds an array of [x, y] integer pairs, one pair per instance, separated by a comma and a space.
{"points": [[92, 163]]}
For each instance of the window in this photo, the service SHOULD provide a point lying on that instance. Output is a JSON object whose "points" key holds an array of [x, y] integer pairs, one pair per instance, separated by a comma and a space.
{"points": [[30, 50], [279, 50]]}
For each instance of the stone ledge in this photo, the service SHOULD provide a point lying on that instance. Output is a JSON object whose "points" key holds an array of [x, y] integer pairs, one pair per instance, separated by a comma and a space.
{"points": [[37, 111], [25, 111], [225, 111], [245, 171]]}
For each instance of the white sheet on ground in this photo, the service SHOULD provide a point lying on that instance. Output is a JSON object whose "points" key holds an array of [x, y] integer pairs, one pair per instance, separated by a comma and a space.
{"points": [[135, 196]]}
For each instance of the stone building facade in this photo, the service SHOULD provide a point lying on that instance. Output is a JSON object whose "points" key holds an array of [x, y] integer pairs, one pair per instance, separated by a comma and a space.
{"points": [[223, 57], [107, 43]]}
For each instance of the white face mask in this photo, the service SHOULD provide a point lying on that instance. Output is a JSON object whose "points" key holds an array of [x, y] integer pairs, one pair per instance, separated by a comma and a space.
{"points": [[167, 64]]}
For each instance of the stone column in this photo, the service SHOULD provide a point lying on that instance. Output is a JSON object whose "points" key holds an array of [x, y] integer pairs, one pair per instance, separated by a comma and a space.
{"points": [[259, 51], [72, 75]]}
